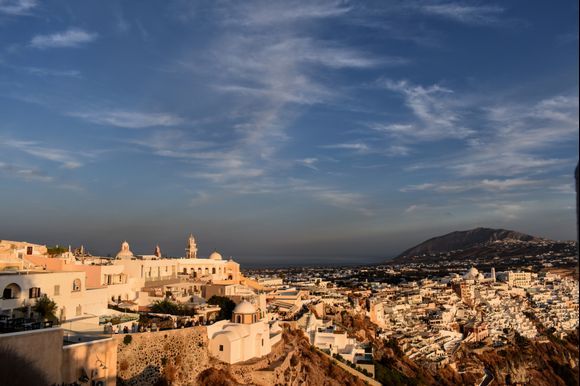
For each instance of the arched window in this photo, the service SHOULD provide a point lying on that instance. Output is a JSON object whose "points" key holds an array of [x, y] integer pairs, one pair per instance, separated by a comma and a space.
{"points": [[213, 270], [238, 318], [11, 291], [76, 285]]}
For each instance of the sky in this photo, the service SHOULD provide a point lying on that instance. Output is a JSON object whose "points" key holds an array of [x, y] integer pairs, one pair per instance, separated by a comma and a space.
{"points": [[285, 132]]}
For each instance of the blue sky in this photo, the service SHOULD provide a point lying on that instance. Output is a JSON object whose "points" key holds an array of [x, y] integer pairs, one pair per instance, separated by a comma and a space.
{"points": [[285, 131]]}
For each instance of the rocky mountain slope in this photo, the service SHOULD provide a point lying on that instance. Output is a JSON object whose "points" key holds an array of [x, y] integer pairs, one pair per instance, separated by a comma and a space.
{"points": [[464, 240]]}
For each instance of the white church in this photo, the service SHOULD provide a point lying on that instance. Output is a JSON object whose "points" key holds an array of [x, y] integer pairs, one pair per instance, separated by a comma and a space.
{"points": [[248, 335]]}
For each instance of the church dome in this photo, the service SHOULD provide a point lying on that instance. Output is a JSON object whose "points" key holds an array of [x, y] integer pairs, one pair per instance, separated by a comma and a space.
{"points": [[215, 256], [471, 274], [125, 251], [245, 307]]}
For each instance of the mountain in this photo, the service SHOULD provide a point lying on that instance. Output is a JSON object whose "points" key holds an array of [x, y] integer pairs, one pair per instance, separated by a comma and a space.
{"points": [[464, 240]]}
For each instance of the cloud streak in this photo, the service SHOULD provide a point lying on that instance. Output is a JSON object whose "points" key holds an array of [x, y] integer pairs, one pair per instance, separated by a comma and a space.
{"points": [[17, 7], [129, 119], [435, 114], [493, 185], [71, 38], [24, 173], [464, 13], [66, 159]]}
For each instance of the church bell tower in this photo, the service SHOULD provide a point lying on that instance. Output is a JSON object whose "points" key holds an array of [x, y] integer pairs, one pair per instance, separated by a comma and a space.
{"points": [[191, 250]]}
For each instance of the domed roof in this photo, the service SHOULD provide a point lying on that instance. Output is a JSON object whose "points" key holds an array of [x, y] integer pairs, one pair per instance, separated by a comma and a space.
{"points": [[215, 256], [125, 251], [471, 274], [245, 307]]}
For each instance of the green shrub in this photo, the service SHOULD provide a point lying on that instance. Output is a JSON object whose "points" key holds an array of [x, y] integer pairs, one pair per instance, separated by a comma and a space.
{"points": [[226, 306], [127, 339]]}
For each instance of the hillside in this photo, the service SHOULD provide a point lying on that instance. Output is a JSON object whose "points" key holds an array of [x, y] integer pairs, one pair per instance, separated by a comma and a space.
{"points": [[464, 240]]}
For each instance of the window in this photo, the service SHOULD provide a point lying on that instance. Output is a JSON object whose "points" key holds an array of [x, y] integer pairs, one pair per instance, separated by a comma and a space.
{"points": [[34, 292], [57, 290], [79, 310], [29, 250], [11, 291], [213, 270], [76, 285], [262, 342], [221, 347]]}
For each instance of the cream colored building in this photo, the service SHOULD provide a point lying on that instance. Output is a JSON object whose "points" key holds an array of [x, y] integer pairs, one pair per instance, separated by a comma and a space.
{"points": [[245, 337], [67, 289], [12, 253], [85, 285], [519, 279]]}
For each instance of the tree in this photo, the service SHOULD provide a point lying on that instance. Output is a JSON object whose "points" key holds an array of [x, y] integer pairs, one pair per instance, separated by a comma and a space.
{"points": [[226, 306], [165, 306], [46, 307], [56, 250]]}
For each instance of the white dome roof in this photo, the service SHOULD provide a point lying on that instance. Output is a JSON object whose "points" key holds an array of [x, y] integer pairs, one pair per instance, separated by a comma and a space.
{"points": [[471, 274], [215, 256], [245, 307]]}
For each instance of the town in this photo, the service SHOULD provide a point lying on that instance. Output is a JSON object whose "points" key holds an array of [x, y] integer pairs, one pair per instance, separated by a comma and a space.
{"points": [[243, 313]]}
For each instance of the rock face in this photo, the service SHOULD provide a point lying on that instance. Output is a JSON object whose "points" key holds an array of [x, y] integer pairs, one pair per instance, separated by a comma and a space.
{"points": [[172, 356], [463, 240], [180, 357]]}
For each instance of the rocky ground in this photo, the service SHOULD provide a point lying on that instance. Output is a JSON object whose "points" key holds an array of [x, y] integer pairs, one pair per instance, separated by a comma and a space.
{"points": [[292, 362], [179, 358]]}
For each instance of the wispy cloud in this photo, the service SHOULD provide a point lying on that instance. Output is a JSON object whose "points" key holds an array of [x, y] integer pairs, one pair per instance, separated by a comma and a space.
{"points": [[309, 163], [268, 13], [519, 136], [129, 119], [436, 116], [464, 13], [271, 75], [339, 198], [412, 208], [51, 72], [24, 173], [496, 185], [17, 7], [354, 146], [73, 37], [505, 210], [66, 159], [343, 200]]}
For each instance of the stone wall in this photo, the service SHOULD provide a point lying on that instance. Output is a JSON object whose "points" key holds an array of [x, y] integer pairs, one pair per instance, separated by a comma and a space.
{"points": [[177, 356]]}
